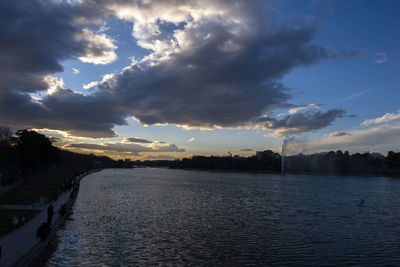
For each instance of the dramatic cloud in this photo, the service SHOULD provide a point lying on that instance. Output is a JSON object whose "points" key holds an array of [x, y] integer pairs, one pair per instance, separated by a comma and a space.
{"points": [[209, 85], [127, 147], [300, 122], [36, 36], [63, 109], [210, 64], [190, 140], [336, 134], [387, 118]]}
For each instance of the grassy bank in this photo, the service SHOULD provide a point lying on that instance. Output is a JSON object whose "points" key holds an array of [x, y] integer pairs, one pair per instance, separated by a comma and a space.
{"points": [[28, 195]]}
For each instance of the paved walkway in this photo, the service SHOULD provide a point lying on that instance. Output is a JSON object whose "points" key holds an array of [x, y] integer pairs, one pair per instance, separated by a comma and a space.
{"points": [[33, 206], [22, 240]]}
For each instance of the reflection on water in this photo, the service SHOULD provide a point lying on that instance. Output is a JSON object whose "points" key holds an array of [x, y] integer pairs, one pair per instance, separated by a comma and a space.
{"points": [[176, 217]]}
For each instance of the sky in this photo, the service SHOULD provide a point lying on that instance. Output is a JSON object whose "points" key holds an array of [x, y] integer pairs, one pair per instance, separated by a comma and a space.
{"points": [[176, 78]]}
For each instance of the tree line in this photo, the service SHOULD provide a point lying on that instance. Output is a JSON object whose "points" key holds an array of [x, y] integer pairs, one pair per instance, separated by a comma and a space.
{"points": [[28, 157], [327, 163]]}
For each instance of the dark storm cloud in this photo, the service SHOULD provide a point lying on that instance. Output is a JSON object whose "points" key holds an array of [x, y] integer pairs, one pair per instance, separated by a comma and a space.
{"points": [[210, 86], [66, 110], [223, 79], [35, 37], [301, 122]]}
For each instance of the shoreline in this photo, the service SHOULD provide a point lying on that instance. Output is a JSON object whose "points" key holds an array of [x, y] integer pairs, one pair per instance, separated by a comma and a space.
{"points": [[35, 255], [278, 172]]}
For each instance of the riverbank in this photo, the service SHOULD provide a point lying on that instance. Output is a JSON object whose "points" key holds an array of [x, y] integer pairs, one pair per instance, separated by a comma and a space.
{"points": [[22, 247], [278, 172]]}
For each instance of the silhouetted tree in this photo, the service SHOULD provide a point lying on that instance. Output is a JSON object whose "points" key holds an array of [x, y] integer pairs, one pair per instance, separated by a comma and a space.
{"points": [[393, 159], [31, 156], [35, 149]]}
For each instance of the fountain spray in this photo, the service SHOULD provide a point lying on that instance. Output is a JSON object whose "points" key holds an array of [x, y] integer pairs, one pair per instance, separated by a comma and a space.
{"points": [[283, 156]]}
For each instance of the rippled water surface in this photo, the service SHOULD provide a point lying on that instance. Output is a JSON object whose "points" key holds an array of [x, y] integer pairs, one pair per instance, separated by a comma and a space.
{"points": [[146, 216]]}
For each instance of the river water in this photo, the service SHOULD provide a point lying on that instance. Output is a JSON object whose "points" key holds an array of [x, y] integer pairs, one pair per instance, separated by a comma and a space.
{"points": [[150, 216]]}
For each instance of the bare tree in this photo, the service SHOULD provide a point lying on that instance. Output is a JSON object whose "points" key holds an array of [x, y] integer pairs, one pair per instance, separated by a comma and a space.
{"points": [[5, 133]]}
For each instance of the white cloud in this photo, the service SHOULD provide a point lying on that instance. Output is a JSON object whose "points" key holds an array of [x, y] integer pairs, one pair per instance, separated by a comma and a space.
{"points": [[387, 118], [90, 85], [75, 71], [303, 107], [380, 57], [106, 78], [100, 48], [190, 140], [148, 20], [371, 139], [53, 84], [299, 108]]}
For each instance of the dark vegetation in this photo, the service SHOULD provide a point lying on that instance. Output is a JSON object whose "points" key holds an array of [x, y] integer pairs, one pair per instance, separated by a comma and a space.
{"points": [[6, 217], [29, 158], [24, 195], [327, 163]]}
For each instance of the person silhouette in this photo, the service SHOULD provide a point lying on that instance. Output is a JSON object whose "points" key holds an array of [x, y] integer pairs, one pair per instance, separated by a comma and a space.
{"points": [[50, 213]]}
